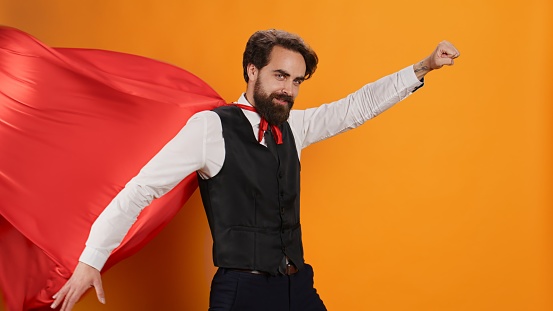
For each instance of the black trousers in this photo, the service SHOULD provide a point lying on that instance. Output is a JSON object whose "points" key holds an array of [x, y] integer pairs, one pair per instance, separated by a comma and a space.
{"points": [[233, 290]]}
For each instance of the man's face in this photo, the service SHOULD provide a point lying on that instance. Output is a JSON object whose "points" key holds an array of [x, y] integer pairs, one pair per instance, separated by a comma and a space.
{"points": [[277, 85]]}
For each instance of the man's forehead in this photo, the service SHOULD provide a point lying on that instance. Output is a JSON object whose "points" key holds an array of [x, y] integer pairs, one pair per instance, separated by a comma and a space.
{"points": [[286, 60]]}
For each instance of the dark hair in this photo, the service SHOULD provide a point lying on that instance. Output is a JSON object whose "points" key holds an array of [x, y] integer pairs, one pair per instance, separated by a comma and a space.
{"points": [[259, 47]]}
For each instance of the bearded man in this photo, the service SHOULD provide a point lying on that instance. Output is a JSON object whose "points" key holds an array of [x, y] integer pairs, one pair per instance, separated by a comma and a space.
{"points": [[247, 157]]}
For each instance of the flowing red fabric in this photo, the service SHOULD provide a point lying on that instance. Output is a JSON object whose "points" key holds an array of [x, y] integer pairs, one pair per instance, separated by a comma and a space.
{"points": [[75, 126]]}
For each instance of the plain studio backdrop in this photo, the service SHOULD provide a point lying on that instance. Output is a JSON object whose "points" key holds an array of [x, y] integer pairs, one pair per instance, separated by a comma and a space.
{"points": [[442, 203]]}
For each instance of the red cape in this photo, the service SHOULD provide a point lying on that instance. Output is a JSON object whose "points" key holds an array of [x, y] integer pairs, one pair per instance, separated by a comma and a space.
{"points": [[75, 126]]}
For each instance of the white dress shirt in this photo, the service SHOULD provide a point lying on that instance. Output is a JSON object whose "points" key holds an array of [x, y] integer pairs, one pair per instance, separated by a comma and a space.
{"points": [[199, 146]]}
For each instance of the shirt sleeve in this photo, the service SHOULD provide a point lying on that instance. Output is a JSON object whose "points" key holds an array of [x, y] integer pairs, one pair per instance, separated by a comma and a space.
{"points": [[315, 124], [183, 155]]}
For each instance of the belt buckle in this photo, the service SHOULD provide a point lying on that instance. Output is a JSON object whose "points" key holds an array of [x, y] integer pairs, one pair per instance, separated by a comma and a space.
{"points": [[290, 269]]}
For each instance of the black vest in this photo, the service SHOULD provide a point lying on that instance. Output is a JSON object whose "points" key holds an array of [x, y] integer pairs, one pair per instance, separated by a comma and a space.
{"points": [[253, 203]]}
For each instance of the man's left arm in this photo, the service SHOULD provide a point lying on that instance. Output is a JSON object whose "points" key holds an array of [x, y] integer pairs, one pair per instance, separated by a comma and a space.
{"points": [[316, 124]]}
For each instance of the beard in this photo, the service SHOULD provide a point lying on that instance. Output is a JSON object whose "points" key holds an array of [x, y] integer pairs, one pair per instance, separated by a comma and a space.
{"points": [[274, 113]]}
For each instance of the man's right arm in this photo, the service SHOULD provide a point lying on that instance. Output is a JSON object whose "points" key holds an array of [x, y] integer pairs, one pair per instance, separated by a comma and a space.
{"points": [[183, 155]]}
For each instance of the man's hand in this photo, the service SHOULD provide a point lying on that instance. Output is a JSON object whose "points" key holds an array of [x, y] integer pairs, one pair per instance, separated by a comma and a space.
{"points": [[444, 54], [82, 279]]}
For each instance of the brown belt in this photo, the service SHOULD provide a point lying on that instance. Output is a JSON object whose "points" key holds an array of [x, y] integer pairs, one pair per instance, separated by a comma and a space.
{"points": [[290, 269]]}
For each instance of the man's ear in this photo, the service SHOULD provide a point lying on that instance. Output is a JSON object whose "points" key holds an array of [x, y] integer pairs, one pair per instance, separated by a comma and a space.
{"points": [[253, 72]]}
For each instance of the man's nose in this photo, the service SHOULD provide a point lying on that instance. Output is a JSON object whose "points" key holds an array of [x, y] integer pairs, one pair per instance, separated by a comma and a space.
{"points": [[287, 87]]}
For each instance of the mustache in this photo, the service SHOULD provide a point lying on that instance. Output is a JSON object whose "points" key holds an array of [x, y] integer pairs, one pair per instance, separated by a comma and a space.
{"points": [[283, 97]]}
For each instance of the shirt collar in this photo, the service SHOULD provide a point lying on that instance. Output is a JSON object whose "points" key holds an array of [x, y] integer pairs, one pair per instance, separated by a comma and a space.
{"points": [[253, 117], [242, 100]]}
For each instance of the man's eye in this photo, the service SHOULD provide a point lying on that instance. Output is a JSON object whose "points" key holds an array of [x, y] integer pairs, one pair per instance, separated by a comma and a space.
{"points": [[280, 76], [298, 82]]}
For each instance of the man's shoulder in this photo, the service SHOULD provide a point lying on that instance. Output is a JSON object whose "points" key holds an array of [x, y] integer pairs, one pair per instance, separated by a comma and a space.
{"points": [[215, 115], [225, 108], [228, 111], [296, 115], [204, 114], [208, 116]]}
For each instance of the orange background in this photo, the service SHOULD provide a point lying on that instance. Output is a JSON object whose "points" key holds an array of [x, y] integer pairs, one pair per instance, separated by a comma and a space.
{"points": [[442, 203]]}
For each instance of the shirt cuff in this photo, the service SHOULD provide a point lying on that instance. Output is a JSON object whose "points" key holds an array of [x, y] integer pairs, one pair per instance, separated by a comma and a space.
{"points": [[93, 258], [409, 77]]}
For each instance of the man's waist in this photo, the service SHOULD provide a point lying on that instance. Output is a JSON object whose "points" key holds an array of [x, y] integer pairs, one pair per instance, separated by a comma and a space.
{"points": [[287, 267]]}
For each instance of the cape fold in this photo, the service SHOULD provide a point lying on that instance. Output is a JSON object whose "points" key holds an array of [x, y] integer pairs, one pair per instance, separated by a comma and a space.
{"points": [[75, 126]]}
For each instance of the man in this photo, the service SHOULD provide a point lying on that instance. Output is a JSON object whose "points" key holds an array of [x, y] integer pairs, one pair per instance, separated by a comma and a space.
{"points": [[247, 158]]}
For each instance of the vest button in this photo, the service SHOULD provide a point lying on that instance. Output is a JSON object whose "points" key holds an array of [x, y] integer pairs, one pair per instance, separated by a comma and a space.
{"points": [[281, 193], [282, 210]]}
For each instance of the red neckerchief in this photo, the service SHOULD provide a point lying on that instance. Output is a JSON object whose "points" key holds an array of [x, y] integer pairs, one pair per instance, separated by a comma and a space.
{"points": [[263, 125]]}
